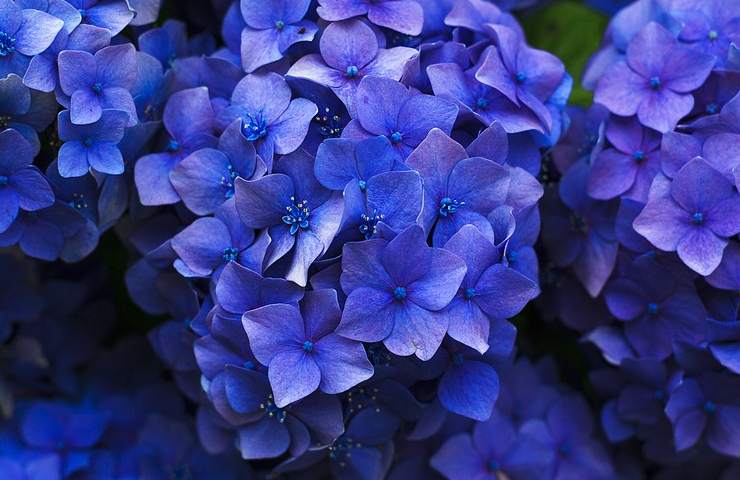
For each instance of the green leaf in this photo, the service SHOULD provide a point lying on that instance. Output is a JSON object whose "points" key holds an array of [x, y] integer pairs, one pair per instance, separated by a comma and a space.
{"points": [[572, 32]]}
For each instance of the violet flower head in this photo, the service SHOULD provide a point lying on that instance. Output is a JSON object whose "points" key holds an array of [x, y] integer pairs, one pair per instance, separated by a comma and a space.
{"points": [[210, 243], [272, 27], [495, 449], [98, 82], [206, 178], [481, 101], [696, 219], [24, 33], [301, 350], [567, 431], [706, 407], [24, 110], [489, 294], [92, 146], [386, 107], [22, 185], [270, 119], [521, 73], [404, 16], [265, 430], [657, 308], [300, 216], [350, 52], [189, 123], [457, 190], [396, 291], [655, 80], [628, 168], [341, 161], [711, 27]]}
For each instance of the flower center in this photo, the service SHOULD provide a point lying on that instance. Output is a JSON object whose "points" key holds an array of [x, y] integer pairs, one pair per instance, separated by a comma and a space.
{"points": [[362, 184], [448, 206], [399, 293], [639, 156], [82, 12], [512, 257], [280, 25], [654, 83], [228, 182], [712, 108], [709, 407], [230, 254], [369, 223], [7, 44], [297, 216], [469, 293], [659, 395], [697, 218], [273, 411], [713, 35], [482, 103], [494, 466], [520, 78], [307, 346], [255, 127], [396, 137], [78, 201], [173, 145], [330, 125], [87, 142], [249, 365], [653, 308], [3, 180], [352, 71], [97, 88]]}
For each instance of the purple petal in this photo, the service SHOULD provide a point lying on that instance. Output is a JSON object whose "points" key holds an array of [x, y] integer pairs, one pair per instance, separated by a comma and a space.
{"points": [[343, 363], [274, 329], [293, 375], [470, 390]]}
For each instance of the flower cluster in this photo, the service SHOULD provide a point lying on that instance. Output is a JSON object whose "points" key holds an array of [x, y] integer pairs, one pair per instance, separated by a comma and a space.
{"points": [[646, 218], [351, 224], [300, 239]]}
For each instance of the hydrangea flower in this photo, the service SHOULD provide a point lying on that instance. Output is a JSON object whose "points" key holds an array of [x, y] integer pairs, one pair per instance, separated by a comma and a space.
{"points": [[24, 33], [270, 119], [521, 73], [349, 52], [457, 190], [301, 350], [655, 80], [396, 290], [189, 121], [489, 294], [99, 82], [695, 218], [92, 146], [271, 29], [24, 110], [657, 308], [705, 406], [300, 216], [494, 448], [629, 167], [386, 107], [22, 186], [484, 103]]}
